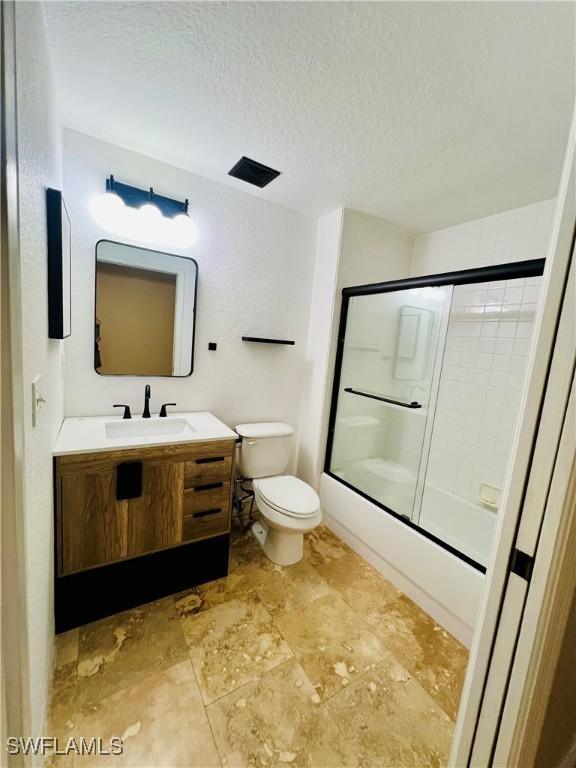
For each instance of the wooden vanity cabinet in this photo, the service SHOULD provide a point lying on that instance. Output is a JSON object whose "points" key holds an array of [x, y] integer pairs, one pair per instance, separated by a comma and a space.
{"points": [[94, 524], [185, 497], [155, 517]]}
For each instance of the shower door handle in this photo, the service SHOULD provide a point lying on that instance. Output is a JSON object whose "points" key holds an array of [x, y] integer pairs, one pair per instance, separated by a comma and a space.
{"points": [[372, 396]]}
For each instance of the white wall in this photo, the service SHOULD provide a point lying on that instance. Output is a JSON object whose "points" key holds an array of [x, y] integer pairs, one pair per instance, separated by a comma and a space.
{"points": [[255, 262], [39, 150], [515, 235], [317, 381], [373, 251]]}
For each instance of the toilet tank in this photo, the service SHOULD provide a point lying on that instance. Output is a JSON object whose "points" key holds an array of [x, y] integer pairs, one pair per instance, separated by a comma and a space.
{"points": [[265, 448]]}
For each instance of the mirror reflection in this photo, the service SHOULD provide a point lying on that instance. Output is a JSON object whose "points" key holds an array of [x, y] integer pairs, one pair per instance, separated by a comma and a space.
{"points": [[145, 310]]}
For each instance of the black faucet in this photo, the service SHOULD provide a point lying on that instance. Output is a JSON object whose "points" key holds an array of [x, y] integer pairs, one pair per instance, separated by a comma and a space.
{"points": [[146, 414]]}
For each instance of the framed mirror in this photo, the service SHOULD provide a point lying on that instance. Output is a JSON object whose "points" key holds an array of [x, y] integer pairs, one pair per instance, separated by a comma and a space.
{"points": [[145, 311]]}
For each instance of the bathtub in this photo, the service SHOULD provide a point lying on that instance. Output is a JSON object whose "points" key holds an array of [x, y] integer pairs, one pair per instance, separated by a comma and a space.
{"points": [[466, 526], [442, 584], [384, 481]]}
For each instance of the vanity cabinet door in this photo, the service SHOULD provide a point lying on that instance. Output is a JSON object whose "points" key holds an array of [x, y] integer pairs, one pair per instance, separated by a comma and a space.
{"points": [[94, 524], [155, 518]]}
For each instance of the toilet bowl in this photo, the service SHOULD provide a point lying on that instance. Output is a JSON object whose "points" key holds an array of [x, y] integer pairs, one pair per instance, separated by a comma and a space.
{"points": [[289, 507]]}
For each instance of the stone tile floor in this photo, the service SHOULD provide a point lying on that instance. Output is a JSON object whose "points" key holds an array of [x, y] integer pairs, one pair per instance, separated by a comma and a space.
{"points": [[324, 663]]}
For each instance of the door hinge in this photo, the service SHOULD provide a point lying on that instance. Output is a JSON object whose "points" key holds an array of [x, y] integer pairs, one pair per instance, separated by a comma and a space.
{"points": [[522, 564]]}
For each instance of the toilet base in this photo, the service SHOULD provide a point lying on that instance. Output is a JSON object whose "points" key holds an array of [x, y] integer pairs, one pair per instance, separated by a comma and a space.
{"points": [[282, 547]]}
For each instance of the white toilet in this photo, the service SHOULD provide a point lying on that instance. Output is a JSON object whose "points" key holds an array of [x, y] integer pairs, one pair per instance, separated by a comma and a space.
{"points": [[289, 506]]}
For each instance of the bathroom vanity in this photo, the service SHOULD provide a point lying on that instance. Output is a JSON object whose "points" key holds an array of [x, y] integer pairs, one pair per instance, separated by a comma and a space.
{"points": [[143, 509]]}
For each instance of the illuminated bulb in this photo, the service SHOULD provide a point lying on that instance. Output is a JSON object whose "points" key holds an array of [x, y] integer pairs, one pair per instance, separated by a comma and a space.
{"points": [[128, 223], [108, 209], [150, 223], [184, 231], [146, 224]]}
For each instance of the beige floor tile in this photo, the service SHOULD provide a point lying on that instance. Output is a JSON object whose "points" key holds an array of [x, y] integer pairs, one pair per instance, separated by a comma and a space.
{"points": [[390, 721], [66, 648], [361, 586], [434, 657], [322, 546], [320, 664], [161, 721], [277, 720], [63, 708], [283, 588], [124, 649], [232, 644], [333, 645], [235, 586], [245, 552]]}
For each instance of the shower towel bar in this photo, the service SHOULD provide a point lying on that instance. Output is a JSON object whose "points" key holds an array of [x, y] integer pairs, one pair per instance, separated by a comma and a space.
{"points": [[413, 404]]}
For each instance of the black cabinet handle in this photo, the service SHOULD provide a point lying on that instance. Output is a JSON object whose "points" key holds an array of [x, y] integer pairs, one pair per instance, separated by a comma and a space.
{"points": [[210, 460], [207, 512], [129, 480], [208, 486]]}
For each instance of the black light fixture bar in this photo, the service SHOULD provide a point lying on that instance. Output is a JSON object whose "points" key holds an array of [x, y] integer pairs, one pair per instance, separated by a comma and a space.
{"points": [[135, 197]]}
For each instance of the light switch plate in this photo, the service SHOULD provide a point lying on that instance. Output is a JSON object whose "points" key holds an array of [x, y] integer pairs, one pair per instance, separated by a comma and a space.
{"points": [[37, 399]]}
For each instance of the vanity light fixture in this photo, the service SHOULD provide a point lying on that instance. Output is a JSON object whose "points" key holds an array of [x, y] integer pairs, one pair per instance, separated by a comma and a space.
{"points": [[143, 215]]}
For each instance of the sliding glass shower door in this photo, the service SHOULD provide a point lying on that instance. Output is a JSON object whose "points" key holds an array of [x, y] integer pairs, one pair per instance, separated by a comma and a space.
{"points": [[427, 387], [389, 368]]}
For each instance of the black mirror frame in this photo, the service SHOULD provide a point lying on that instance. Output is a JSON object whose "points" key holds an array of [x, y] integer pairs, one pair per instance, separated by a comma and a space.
{"points": [[164, 253]]}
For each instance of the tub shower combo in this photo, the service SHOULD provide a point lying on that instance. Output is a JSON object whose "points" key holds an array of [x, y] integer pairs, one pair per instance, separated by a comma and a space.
{"points": [[428, 380]]}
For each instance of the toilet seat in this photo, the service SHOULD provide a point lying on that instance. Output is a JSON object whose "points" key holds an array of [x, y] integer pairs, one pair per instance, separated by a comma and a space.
{"points": [[288, 495]]}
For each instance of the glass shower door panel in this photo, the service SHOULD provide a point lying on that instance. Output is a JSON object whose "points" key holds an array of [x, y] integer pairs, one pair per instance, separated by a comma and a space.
{"points": [[480, 387], [389, 354]]}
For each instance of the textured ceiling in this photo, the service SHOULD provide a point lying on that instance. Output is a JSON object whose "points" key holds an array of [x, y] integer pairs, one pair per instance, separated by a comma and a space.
{"points": [[426, 114]]}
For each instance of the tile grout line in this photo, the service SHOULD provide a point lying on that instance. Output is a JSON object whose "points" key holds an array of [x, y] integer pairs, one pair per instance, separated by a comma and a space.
{"points": [[204, 707]]}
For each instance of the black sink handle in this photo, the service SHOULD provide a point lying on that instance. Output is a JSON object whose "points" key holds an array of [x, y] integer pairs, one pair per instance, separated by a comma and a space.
{"points": [[163, 413], [127, 414]]}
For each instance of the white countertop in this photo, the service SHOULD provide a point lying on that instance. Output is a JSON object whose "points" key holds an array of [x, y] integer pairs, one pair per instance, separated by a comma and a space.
{"points": [[89, 434]]}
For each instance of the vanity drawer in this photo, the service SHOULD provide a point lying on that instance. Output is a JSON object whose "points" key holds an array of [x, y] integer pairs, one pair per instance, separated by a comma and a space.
{"points": [[206, 469], [206, 512], [204, 496]]}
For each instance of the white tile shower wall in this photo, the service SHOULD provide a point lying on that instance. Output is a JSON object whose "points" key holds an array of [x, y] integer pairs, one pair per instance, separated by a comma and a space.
{"points": [[485, 360]]}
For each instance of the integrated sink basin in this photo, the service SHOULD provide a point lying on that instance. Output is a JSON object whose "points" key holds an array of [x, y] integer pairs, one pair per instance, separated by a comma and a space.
{"points": [[148, 428], [89, 434]]}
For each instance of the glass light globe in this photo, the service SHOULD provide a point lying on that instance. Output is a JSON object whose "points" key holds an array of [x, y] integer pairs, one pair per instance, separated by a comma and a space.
{"points": [[183, 230], [150, 223], [108, 210], [129, 224]]}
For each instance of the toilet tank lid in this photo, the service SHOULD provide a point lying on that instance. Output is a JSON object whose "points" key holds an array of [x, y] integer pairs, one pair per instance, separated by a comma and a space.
{"points": [[265, 429]]}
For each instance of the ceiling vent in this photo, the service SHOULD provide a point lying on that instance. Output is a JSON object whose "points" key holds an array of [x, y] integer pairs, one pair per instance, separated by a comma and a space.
{"points": [[253, 172]]}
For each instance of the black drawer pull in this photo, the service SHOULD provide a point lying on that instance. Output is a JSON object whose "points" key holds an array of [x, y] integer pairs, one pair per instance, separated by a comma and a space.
{"points": [[210, 460], [206, 512], [208, 486]]}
